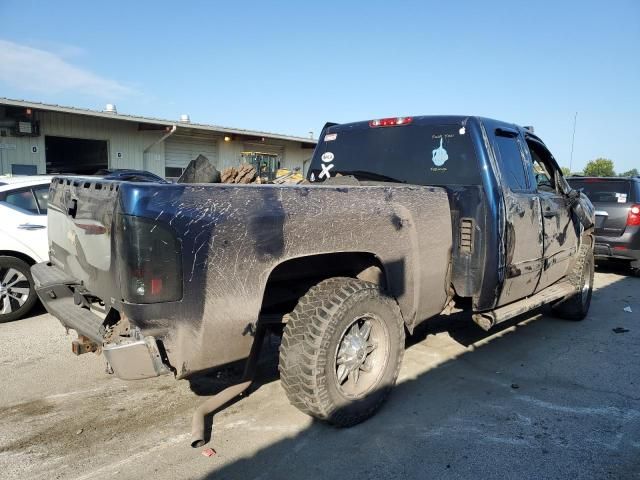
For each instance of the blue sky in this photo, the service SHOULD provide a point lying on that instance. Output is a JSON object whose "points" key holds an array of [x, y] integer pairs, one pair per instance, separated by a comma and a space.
{"points": [[289, 67]]}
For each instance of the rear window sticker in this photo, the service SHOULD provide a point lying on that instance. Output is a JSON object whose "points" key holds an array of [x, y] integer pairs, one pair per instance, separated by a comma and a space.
{"points": [[313, 177], [622, 197], [325, 170], [462, 131], [439, 155], [327, 157], [330, 137]]}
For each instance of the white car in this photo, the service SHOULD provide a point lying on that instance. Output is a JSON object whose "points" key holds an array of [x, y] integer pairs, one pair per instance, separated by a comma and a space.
{"points": [[23, 241]]}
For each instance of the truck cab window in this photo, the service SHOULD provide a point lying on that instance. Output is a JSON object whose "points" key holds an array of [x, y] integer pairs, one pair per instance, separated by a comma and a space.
{"points": [[542, 167], [511, 162]]}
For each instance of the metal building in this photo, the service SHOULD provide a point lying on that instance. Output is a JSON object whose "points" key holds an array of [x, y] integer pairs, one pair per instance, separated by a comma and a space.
{"points": [[37, 138]]}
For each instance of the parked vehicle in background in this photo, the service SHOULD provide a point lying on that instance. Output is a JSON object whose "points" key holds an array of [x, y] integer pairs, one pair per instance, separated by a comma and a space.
{"points": [[23, 241], [404, 219], [23, 234], [617, 204]]}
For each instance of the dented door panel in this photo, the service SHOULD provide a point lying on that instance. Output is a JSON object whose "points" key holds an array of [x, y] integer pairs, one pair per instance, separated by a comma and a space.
{"points": [[560, 234], [524, 246]]}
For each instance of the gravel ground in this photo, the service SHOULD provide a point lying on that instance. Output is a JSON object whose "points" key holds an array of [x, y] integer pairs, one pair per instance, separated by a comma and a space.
{"points": [[541, 398]]}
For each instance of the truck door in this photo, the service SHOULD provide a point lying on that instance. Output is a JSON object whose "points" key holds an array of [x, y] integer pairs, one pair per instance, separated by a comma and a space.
{"points": [[523, 232], [560, 229]]}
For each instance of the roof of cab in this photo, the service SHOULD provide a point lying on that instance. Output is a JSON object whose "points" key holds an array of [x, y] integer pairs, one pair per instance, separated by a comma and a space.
{"points": [[438, 119]]}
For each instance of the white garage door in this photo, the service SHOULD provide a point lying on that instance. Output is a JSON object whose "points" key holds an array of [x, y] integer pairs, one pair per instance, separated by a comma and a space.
{"points": [[180, 150]]}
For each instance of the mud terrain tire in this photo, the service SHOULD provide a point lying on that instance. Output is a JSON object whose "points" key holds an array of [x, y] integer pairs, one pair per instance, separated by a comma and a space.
{"points": [[576, 307], [328, 320]]}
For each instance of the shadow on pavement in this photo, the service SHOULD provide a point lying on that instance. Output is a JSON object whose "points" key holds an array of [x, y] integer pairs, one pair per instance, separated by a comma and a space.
{"points": [[620, 267], [526, 400]]}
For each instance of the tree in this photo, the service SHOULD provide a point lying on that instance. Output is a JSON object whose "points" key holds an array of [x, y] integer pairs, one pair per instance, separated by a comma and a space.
{"points": [[631, 173], [566, 172], [600, 167]]}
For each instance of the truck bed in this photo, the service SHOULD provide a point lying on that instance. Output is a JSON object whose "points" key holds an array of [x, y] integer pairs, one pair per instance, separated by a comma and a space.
{"points": [[231, 239]]}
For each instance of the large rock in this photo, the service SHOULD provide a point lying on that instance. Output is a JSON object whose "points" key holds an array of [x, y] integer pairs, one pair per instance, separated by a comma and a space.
{"points": [[200, 170]]}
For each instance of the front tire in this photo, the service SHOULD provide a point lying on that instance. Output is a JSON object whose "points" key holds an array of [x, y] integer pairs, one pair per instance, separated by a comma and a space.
{"points": [[17, 292], [341, 351], [577, 306]]}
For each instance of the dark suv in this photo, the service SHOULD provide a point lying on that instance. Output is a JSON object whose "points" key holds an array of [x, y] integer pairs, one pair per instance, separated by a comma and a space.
{"points": [[617, 203]]}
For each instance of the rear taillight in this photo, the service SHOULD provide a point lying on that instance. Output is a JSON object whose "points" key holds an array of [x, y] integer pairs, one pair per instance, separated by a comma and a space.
{"points": [[390, 122], [634, 216], [149, 260]]}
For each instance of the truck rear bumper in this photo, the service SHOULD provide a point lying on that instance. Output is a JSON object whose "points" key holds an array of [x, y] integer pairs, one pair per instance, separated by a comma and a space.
{"points": [[131, 358]]}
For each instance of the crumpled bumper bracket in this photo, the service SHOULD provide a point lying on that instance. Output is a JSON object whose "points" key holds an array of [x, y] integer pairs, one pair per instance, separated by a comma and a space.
{"points": [[131, 359]]}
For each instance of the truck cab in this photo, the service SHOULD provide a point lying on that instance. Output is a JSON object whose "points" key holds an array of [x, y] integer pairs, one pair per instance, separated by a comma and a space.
{"points": [[512, 213]]}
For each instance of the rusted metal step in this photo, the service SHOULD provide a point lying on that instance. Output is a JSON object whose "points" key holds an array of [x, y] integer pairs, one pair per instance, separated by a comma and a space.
{"points": [[559, 290]]}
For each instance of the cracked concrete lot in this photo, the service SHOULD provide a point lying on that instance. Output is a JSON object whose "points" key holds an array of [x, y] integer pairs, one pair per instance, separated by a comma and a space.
{"points": [[539, 398]]}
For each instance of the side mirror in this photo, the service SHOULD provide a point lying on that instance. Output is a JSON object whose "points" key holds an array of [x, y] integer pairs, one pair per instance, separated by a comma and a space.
{"points": [[581, 207]]}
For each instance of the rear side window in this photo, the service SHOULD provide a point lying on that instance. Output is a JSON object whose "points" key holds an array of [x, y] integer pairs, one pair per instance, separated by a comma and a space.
{"points": [[605, 191], [511, 162], [23, 199], [42, 196]]}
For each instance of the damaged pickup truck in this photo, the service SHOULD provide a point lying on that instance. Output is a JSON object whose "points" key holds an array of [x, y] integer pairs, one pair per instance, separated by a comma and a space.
{"points": [[402, 219]]}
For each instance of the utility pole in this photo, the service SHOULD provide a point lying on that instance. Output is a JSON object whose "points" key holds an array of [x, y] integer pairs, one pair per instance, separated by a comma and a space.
{"points": [[573, 138]]}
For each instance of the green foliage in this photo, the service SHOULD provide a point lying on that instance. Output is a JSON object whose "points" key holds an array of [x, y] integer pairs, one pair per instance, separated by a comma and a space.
{"points": [[600, 167], [630, 173], [565, 171]]}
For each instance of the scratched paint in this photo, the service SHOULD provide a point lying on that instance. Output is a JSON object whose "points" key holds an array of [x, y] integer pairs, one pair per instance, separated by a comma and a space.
{"points": [[233, 237]]}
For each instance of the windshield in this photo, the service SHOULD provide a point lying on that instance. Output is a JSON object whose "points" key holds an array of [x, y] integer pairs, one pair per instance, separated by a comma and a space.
{"points": [[605, 191], [415, 154]]}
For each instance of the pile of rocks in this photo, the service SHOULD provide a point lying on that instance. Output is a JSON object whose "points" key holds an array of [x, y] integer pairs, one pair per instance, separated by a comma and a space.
{"points": [[245, 173]]}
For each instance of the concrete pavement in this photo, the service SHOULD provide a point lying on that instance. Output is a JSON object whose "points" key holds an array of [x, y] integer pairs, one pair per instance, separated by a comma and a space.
{"points": [[541, 398]]}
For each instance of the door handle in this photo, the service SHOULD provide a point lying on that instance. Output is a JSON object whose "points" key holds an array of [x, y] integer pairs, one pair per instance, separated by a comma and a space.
{"points": [[31, 226], [548, 213]]}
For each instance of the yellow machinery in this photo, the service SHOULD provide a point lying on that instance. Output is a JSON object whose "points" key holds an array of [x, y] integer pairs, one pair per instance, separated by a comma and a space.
{"points": [[266, 164]]}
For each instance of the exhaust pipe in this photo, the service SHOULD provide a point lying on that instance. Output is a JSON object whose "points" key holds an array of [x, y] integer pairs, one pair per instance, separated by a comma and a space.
{"points": [[208, 406], [228, 394]]}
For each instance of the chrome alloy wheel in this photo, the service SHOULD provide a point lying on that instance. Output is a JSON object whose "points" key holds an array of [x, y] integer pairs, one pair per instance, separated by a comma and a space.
{"points": [[361, 356], [14, 290]]}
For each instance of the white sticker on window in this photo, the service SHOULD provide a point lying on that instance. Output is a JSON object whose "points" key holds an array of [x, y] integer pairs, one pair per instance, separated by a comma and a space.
{"points": [[439, 155], [325, 171], [327, 157], [330, 137], [622, 197], [313, 177]]}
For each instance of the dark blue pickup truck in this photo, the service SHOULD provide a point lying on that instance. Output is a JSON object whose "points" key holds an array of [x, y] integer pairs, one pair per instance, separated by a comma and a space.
{"points": [[402, 219]]}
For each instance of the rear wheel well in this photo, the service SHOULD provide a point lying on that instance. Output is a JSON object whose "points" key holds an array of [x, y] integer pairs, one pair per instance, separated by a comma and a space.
{"points": [[11, 253], [291, 279]]}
